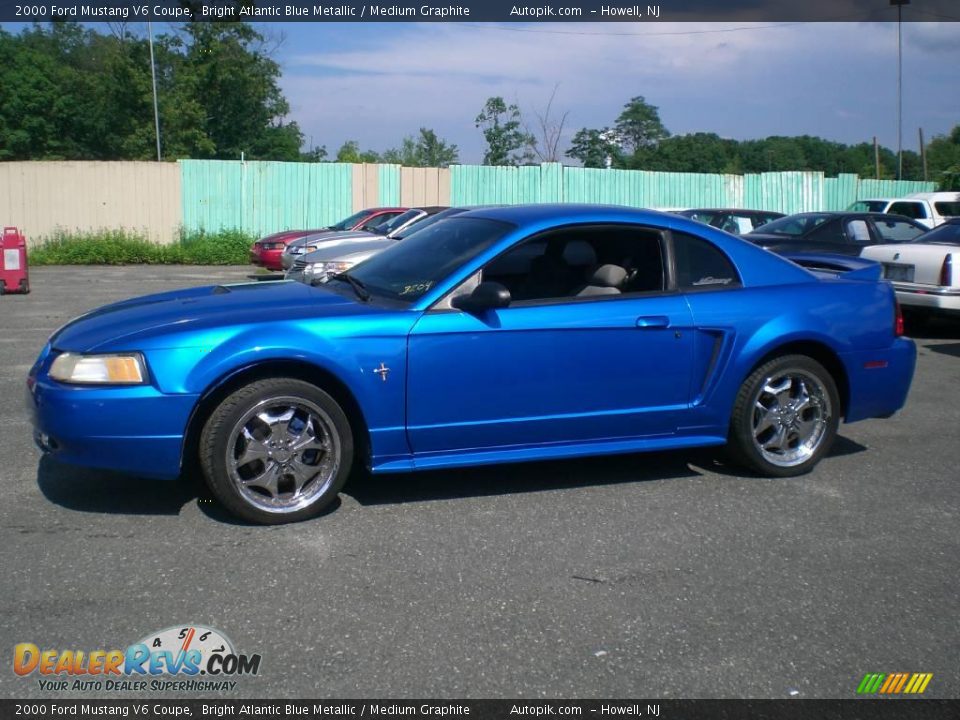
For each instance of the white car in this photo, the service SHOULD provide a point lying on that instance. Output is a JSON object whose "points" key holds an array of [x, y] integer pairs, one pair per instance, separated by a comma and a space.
{"points": [[928, 209], [925, 272]]}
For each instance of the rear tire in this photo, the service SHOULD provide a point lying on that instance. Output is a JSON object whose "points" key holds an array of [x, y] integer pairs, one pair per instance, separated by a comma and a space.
{"points": [[276, 451], [785, 417]]}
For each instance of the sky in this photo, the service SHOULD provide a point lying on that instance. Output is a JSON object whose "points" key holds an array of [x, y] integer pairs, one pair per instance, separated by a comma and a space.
{"points": [[376, 83]]}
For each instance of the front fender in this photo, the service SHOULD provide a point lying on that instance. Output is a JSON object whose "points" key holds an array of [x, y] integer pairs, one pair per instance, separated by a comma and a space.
{"points": [[349, 357]]}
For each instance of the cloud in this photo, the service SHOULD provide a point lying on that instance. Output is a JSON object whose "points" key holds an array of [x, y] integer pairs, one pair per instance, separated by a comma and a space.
{"points": [[829, 79]]}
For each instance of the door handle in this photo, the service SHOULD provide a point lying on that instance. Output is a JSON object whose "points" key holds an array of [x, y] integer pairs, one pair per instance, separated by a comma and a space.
{"points": [[653, 321]]}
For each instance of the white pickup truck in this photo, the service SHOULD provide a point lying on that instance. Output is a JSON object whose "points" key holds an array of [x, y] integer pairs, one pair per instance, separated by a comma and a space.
{"points": [[929, 209]]}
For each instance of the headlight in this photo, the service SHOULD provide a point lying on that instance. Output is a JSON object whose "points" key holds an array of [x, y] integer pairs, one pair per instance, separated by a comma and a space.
{"points": [[98, 369], [322, 270]]}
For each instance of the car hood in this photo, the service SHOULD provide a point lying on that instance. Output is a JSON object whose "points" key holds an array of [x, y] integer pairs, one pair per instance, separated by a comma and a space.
{"points": [[333, 236], [120, 325], [288, 234], [343, 250]]}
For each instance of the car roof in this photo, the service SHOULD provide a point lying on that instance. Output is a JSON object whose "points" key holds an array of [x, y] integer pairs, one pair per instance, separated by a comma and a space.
{"points": [[731, 210], [527, 214]]}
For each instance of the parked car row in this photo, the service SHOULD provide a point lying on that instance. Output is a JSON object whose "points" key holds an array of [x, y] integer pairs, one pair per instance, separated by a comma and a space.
{"points": [[267, 252]]}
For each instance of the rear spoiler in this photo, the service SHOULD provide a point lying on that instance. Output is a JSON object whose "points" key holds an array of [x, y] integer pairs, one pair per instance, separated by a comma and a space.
{"points": [[829, 265]]}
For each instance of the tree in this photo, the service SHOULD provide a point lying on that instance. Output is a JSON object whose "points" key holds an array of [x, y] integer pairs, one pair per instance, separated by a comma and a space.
{"points": [[314, 154], [507, 142], [237, 86], [696, 152], [350, 152], [595, 148], [427, 150], [67, 92], [639, 127], [943, 159], [549, 131], [405, 155], [431, 151]]}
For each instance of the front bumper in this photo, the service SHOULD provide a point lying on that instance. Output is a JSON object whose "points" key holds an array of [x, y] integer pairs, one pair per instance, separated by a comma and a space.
{"points": [[131, 429]]}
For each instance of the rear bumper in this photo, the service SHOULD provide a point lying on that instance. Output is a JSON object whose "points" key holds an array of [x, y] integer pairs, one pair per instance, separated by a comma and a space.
{"points": [[879, 380], [929, 297], [136, 430], [270, 259]]}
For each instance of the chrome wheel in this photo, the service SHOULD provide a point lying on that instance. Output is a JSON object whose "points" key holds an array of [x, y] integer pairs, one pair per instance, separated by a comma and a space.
{"points": [[283, 454], [790, 417]]}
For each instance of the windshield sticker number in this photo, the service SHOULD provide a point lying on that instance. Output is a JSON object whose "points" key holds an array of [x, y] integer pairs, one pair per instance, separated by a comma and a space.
{"points": [[416, 288]]}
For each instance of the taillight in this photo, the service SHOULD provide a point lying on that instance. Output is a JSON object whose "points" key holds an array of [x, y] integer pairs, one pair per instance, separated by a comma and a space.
{"points": [[898, 329], [946, 271]]}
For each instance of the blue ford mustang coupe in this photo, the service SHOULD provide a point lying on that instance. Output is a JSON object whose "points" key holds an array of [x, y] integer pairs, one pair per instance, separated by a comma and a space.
{"points": [[499, 335]]}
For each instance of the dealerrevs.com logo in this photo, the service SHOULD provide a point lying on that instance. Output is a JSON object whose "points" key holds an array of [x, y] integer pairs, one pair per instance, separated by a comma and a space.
{"points": [[195, 657]]}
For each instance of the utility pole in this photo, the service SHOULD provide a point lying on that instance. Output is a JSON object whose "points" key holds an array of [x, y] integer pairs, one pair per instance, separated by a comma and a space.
{"points": [[923, 155], [153, 77], [876, 157], [899, 4]]}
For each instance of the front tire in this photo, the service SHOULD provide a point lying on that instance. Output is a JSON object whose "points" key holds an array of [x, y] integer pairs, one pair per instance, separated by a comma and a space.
{"points": [[276, 451], [785, 417]]}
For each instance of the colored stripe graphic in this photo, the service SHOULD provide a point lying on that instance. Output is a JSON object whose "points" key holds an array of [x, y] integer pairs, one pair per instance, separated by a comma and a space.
{"points": [[870, 683], [918, 683], [894, 683]]}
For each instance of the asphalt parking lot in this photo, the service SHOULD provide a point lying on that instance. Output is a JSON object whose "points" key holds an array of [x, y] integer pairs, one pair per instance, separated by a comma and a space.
{"points": [[656, 576]]}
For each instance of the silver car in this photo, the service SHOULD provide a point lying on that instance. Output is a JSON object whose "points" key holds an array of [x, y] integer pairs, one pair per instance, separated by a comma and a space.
{"points": [[336, 257], [395, 224]]}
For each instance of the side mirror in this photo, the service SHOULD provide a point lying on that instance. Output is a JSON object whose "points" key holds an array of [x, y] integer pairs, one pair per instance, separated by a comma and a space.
{"points": [[485, 296]]}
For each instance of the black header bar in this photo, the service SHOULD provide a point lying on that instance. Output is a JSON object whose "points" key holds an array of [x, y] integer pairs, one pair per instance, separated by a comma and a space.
{"points": [[887, 709], [729, 11]]}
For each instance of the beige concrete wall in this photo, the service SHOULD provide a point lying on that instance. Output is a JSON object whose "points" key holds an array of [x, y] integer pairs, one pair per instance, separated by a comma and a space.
{"points": [[41, 197], [424, 186], [366, 186]]}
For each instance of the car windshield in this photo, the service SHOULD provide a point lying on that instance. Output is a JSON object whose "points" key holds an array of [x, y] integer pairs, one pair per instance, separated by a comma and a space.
{"points": [[948, 209], [946, 234], [868, 206], [795, 225], [397, 221], [427, 221], [409, 269], [350, 222]]}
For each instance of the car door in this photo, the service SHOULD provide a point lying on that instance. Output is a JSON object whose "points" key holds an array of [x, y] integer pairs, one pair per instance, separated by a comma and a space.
{"points": [[561, 367]]}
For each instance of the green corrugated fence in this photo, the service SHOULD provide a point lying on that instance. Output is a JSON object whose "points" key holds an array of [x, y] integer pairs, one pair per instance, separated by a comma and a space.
{"points": [[264, 197]]}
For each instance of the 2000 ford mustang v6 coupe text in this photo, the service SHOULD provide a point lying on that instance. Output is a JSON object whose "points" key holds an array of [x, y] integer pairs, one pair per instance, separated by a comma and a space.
{"points": [[498, 335]]}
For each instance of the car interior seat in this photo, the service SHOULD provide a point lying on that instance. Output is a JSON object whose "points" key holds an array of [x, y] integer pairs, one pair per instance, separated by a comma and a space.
{"points": [[605, 280]]}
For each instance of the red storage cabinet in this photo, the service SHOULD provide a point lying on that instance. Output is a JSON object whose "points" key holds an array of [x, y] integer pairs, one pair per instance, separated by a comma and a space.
{"points": [[14, 276]]}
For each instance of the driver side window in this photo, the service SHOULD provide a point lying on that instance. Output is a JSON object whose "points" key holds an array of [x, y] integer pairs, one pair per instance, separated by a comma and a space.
{"points": [[581, 262]]}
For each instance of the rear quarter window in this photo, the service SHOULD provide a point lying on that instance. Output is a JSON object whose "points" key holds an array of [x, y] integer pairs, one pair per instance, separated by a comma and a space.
{"points": [[908, 209], [701, 265], [948, 209]]}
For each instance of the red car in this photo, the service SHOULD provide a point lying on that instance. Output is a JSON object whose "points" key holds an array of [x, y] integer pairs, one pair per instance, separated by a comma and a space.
{"points": [[267, 250]]}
